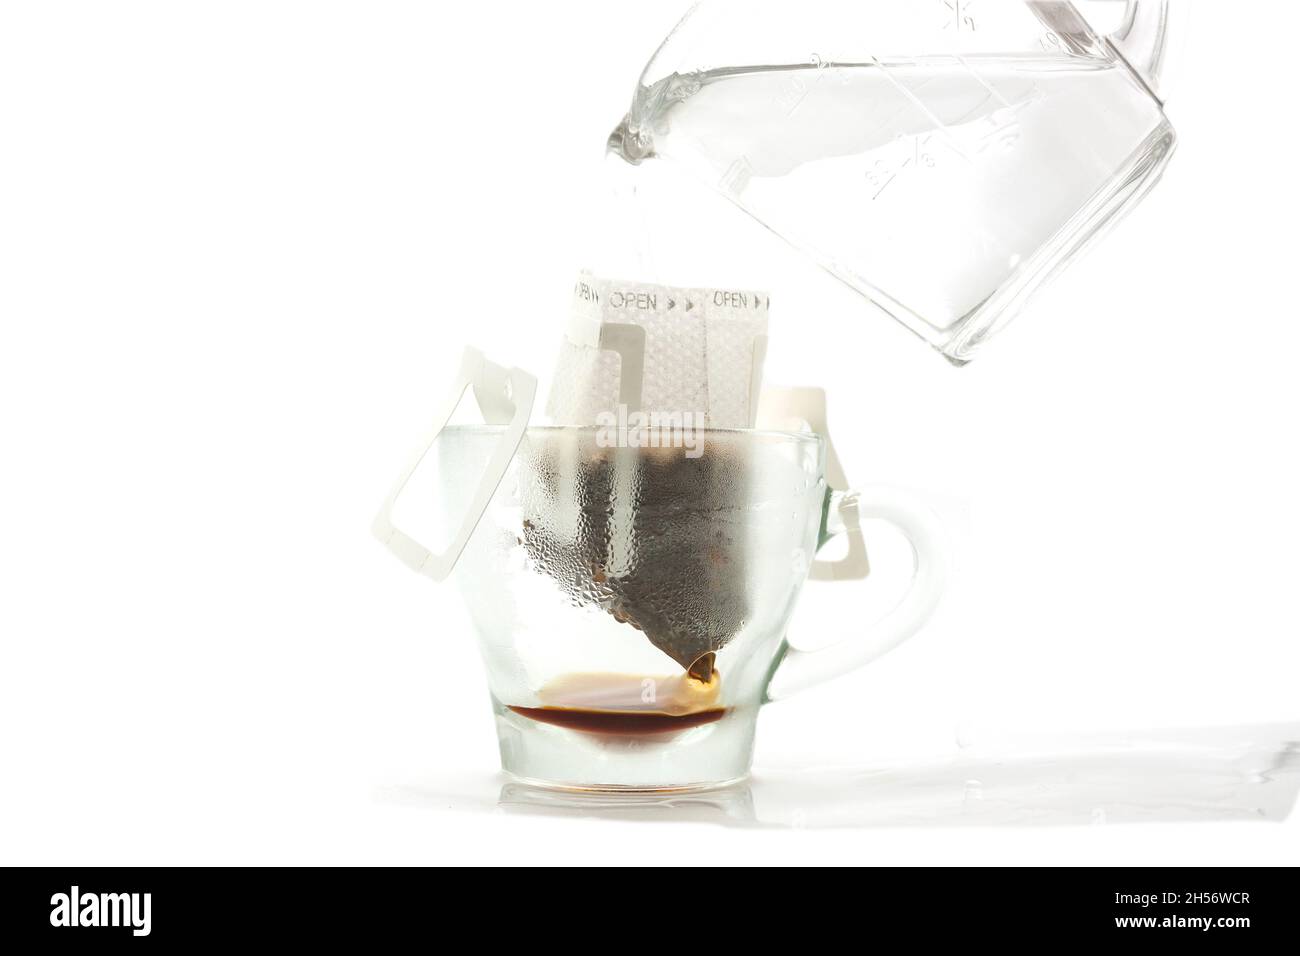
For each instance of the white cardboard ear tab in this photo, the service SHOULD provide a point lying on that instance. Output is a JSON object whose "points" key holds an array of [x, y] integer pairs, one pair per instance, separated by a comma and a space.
{"points": [[784, 408], [504, 397]]}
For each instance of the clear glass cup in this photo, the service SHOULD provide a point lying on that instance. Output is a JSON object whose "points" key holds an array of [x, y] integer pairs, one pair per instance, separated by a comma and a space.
{"points": [[631, 604], [944, 158]]}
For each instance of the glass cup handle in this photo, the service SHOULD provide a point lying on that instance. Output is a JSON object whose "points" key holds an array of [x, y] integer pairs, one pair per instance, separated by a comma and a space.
{"points": [[798, 670], [504, 397]]}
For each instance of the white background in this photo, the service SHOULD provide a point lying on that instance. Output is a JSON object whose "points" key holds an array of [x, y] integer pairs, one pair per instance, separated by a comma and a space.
{"points": [[241, 246]]}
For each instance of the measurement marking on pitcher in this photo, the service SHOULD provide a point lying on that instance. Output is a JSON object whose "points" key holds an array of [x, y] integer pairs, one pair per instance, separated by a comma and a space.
{"points": [[975, 75], [799, 87], [939, 126], [958, 15], [919, 159]]}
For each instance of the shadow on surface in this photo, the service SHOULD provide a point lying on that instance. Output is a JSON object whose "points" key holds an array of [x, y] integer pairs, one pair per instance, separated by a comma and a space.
{"points": [[1221, 774]]}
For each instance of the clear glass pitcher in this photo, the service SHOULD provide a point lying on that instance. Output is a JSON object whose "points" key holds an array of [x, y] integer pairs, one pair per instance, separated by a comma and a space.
{"points": [[944, 158]]}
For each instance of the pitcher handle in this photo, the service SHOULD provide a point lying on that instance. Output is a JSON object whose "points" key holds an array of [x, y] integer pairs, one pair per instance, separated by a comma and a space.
{"points": [[798, 670], [1144, 39]]}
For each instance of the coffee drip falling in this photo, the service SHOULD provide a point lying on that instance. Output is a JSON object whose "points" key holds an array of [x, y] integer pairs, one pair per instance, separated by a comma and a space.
{"points": [[629, 508]]}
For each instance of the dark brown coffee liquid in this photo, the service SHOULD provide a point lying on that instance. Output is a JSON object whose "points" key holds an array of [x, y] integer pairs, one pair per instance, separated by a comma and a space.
{"points": [[625, 723]]}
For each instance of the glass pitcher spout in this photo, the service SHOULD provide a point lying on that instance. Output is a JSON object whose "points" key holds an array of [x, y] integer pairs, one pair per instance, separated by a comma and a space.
{"points": [[633, 138]]}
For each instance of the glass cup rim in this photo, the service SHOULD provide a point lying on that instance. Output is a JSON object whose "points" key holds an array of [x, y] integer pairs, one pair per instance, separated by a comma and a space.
{"points": [[763, 434]]}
